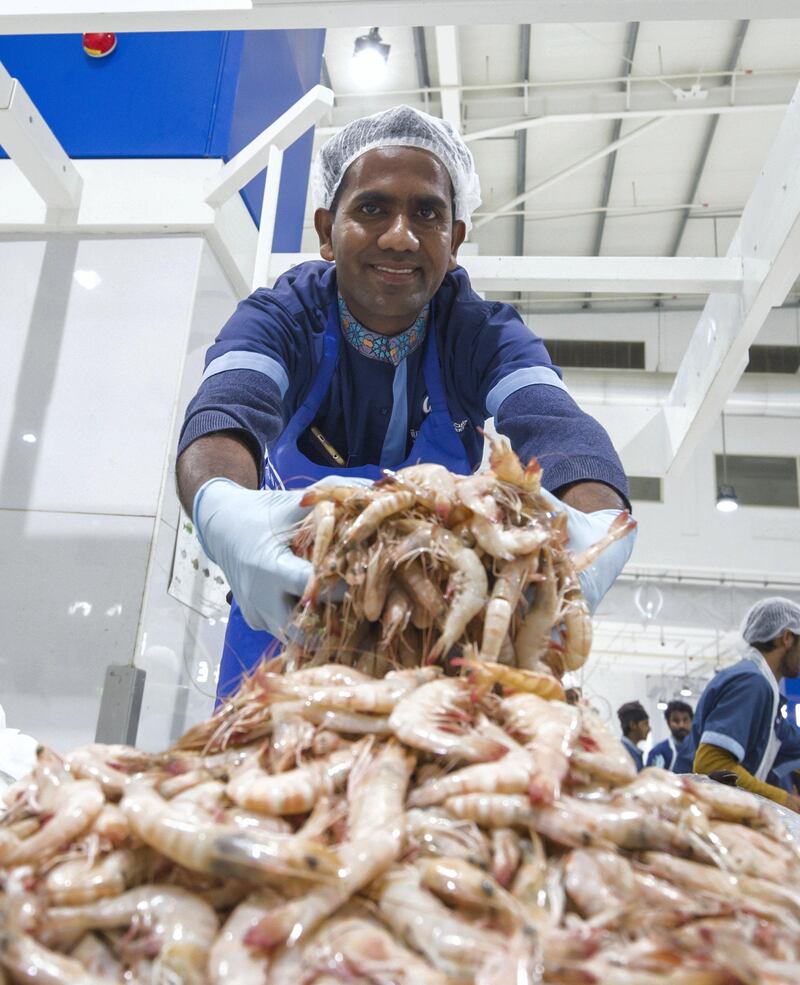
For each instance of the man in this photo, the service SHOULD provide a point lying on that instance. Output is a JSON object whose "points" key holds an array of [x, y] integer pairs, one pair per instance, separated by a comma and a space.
{"points": [[738, 726], [378, 356], [679, 717], [635, 724]]}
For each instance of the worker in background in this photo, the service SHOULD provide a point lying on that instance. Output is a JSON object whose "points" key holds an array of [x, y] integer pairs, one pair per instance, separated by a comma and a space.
{"points": [[678, 715], [635, 724], [738, 726], [378, 356]]}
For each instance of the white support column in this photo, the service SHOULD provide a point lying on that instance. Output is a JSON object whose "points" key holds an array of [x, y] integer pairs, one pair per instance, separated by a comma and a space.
{"points": [[570, 170], [767, 243], [281, 134], [266, 227], [33, 147], [449, 73]]}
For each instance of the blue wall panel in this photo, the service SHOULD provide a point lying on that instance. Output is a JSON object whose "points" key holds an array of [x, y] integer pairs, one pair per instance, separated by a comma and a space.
{"points": [[183, 94]]}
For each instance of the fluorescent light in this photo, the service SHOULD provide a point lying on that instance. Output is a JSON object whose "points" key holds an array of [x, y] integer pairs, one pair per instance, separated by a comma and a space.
{"points": [[727, 501], [88, 279], [661, 705], [29, 438]]}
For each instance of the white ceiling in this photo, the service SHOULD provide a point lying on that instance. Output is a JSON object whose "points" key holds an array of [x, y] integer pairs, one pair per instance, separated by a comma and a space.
{"points": [[579, 68]]}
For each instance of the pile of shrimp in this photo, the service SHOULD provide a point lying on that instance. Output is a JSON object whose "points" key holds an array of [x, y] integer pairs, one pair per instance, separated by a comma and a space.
{"points": [[326, 827], [434, 562]]}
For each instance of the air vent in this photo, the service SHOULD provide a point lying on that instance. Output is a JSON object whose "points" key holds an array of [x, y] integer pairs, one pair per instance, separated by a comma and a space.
{"points": [[588, 354], [774, 359], [760, 480], [644, 488]]}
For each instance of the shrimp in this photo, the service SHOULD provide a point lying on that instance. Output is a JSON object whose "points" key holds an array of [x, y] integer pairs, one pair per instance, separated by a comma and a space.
{"points": [[459, 883], [30, 961], [466, 589], [97, 958], [111, 826], [551, 729], [420, 589], [512, 774], [218, 849], [437, 833], [297, 791], [506, 854], [96, 762], [229, 960], [377, 697], [532, 640], [395, 616], [74, 806], [506, 543], [179, 924], [79, 881], [508, 587], [375, 837], [576, 636], [507, 467], [449, 942], [752, 853], [528, 887], [484, 674], [354, 947], [376, 583], [598, 881], [599, 754], [433, 484], [322, 521], [438, 717], [621, 526], [378, 510]]}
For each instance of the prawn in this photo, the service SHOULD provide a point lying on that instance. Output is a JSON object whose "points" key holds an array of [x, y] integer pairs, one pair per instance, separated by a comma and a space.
{"points": [[507, 467], [437, 833], [375, 838], [509, 585], [466, 589], [30, 961], [218, 849], [178, 922], [621, 526], [323, 522], [549, 727], [294, 792], [377, 697], [532, 640], [506, 854], [378, 510], [438, 718], [484, 674], [434, 485], [459, 883], [395, 616], [512, 774], [78, 881], [376, 583], [228, 960]]}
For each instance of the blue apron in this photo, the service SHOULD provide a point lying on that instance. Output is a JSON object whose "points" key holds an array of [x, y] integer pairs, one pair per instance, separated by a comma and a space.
{"points": [[287, 468]]}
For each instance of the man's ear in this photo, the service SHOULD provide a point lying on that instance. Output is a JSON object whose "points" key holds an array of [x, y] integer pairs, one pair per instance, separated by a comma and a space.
{"points": [[323, 223], [458, 237]]}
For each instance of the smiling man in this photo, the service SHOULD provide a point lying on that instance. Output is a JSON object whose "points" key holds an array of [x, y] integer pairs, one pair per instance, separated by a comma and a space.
{"points": [[377, 356]]}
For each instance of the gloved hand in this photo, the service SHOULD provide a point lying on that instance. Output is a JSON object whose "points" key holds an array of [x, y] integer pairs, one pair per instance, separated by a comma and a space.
{"points": [[247, 533], [585, 529]]}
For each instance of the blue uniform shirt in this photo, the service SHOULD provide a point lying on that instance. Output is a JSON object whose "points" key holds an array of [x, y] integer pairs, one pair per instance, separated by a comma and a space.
{"points": [[636, 755], [265, 358], [736, 713], [665, 754]]}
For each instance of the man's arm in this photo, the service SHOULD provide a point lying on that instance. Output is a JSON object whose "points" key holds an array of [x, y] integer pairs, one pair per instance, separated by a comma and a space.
{"points": [[590, 496], [224, 454], [712, 759]]}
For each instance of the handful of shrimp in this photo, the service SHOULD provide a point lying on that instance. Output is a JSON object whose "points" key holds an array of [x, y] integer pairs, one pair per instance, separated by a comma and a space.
{"points": [[435, 562]]}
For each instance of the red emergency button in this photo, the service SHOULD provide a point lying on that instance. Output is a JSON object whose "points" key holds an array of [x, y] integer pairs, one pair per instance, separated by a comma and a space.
{"points": [[99, 45]]}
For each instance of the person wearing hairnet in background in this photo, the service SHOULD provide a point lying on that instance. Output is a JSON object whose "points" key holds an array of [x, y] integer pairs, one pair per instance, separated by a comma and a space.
{"points": [[737, 723], [379, 355]]}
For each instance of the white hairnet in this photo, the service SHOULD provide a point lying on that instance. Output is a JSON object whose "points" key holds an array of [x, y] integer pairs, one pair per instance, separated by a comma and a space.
{"points": [[401, 126], [768, 619]]}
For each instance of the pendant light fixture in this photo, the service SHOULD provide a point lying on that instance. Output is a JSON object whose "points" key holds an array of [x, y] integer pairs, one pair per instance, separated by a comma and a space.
{"points": [[727, 501]]}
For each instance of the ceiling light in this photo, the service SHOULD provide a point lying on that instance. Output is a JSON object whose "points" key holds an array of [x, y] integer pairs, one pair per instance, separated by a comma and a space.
{"points": [[686, 691], [661, 705], [29, 438], [88, 279], [726, 499], [370, 56]]}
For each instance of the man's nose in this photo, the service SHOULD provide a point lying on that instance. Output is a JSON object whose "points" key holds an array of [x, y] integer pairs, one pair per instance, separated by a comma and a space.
{"points": [[399, 235]]}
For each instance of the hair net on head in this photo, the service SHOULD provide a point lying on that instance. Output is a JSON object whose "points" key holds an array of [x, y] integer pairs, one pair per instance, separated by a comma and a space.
{"points": [[768, 619], [401, 126]]}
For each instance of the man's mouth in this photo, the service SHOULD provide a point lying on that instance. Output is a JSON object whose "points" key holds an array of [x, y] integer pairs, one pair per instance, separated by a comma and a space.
{"points": [[395, 275]]}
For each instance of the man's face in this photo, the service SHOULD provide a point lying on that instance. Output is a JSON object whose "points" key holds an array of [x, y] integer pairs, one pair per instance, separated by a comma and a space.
{"points": [[392, 236], [640, 730], [790, 662], [680, 724]]}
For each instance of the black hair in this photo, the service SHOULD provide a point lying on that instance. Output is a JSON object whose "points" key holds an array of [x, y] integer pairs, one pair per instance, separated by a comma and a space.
{"points": [[680, 706], [630, 713], [766, 647]]}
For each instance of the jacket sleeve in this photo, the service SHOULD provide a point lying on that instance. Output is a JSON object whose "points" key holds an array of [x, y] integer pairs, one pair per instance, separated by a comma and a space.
{"points": [[710, 759]]}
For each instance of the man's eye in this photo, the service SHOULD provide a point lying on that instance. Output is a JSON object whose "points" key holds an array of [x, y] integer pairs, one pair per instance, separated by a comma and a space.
{"points": [[370, 208], [427, 212]]}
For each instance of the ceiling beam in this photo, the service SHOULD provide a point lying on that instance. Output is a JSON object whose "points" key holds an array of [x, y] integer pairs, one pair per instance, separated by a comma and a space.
{"points": [[708, 139], [631, 37], [767, 244], [568, 171], [449, 73], [421, 59], [522, 138], [60, 16]]}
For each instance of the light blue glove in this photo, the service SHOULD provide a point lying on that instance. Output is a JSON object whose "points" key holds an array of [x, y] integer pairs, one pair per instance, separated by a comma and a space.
{"points": [[585, 529], [247, 532]]}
